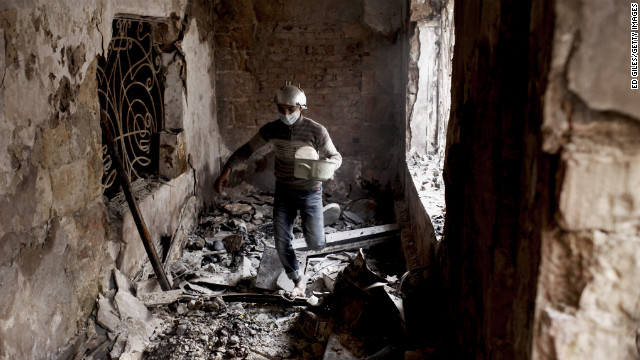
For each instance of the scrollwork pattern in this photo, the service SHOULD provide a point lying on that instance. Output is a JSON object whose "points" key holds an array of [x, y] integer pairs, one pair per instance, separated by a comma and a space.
{"points": [[130, 96]]}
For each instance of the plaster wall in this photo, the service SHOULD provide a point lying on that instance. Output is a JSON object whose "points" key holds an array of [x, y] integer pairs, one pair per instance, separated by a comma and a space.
{"points": [[431, 38], [587, 305], [429, 47], [56, 253]]}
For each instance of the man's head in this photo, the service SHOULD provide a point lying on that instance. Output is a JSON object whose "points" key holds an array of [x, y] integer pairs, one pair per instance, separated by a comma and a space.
{"points": [[290, 100], [290, 95]]}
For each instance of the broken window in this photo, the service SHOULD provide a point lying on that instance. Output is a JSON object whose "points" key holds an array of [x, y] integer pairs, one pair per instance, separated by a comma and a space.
{"points": [[142, 71]]}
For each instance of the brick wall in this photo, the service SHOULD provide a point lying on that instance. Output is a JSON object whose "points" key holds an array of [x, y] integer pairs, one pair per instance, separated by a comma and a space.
{"points": [[347, 61]]}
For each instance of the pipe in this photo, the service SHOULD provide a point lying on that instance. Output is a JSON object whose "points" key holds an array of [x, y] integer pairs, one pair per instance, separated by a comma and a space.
{"points": [[133, 207]]}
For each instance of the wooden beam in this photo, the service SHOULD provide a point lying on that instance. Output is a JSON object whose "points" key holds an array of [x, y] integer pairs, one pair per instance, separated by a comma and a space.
{"points": [[351, 239]]}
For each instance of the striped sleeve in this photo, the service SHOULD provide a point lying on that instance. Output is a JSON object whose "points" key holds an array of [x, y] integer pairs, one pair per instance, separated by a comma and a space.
{"points": [[327, 149], [245, 151]]}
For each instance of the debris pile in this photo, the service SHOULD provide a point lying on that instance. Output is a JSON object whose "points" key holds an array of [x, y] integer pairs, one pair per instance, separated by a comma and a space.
{"points": [[229, 291], [426, 172]]}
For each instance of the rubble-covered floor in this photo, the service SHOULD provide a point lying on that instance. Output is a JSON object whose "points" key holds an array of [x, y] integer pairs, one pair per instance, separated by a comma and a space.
{"points": [[426, 173], [224, 256]]}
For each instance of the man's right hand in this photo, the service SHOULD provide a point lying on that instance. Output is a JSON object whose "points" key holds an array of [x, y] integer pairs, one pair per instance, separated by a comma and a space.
{"points": [[222, 180]]}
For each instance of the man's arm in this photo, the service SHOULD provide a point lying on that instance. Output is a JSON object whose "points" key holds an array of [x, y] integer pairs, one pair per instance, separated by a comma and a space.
{"points": [[327, 150], [238, 157]]}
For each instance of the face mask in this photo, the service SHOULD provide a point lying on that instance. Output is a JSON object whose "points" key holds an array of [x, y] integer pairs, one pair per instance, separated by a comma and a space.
{"points": [[290, 118]]}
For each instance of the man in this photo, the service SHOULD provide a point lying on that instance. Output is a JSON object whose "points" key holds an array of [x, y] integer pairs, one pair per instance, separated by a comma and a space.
{"points": [[289, 133]]}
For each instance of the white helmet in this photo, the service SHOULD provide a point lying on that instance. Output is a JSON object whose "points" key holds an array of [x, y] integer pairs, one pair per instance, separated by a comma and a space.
{"points": [[290, 95]]}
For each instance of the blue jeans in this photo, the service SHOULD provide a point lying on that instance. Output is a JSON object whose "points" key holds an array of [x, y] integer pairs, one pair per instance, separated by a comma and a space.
{"points": [[287, 202]]}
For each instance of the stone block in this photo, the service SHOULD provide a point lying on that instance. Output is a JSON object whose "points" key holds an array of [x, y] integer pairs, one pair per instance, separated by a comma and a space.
{"points": [[107, 315], [603, 81], [615, 271], [600, 192], [129, 307], [175, 101], [172, 154], [573, 337]]}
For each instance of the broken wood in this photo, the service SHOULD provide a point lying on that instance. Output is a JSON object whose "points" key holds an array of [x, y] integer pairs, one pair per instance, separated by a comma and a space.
{"points": [[350, 240], [160, 298], [251, 298], [133, 207]]}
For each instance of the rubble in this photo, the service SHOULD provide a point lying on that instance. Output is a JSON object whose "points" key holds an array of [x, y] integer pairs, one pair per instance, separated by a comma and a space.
{"points": [[426, 172], [233, 243], [227, 299]]}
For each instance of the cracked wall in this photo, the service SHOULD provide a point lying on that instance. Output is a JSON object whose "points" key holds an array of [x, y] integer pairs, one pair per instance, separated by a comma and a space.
{"points": [[346, 57], [57, 248], [587, 305], [540, 252]]}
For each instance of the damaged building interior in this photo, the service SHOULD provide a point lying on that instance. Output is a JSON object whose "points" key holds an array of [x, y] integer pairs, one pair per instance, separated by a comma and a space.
{"points": [[487, 205]]}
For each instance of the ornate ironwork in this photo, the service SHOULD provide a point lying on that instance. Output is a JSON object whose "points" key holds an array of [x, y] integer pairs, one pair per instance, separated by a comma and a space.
{"points": [[130, 96]]}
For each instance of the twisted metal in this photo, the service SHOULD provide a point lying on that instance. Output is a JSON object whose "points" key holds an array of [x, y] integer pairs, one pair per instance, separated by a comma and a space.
{"points": [[131, 97]]}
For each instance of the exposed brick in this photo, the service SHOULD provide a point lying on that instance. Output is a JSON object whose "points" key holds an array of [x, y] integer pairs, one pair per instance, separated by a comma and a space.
{"points": [[327, 58]]}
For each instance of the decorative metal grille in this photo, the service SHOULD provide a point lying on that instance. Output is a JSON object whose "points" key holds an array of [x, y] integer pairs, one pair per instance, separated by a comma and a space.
{"points": [[130, 96]]}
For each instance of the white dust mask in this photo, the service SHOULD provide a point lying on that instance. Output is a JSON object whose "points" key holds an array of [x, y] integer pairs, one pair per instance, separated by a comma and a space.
{"points": [[290, 118]]}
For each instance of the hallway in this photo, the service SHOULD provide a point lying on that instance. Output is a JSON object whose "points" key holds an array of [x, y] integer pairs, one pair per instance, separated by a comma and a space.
{"points": [[498, 140]]}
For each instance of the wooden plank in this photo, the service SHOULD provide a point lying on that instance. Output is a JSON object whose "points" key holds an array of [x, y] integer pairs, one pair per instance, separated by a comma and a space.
{"points": [[351, 239], [363, 244], [160, 298]]}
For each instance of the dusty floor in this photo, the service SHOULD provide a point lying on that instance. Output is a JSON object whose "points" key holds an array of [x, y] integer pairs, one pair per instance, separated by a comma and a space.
{"points": [[352, 310], [206, 328]]}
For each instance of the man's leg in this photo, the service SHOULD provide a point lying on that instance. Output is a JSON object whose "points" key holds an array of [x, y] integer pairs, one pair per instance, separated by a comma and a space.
{"points": [[284, 213], [312, 218]]}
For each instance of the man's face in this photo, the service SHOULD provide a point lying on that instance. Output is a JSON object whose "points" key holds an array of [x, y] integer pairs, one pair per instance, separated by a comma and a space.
{"points": [[287, 109]]}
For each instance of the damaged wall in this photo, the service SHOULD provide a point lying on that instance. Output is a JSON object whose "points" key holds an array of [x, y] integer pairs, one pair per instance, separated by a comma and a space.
{"points": [[588, 300], [429, 79], [347, 59], [54, 225], [428, 49], [540, 255]]}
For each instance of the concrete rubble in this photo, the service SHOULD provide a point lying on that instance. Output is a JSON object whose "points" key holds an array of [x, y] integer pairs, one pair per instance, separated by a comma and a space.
{"points": [[228, 298], [426, 174]]}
